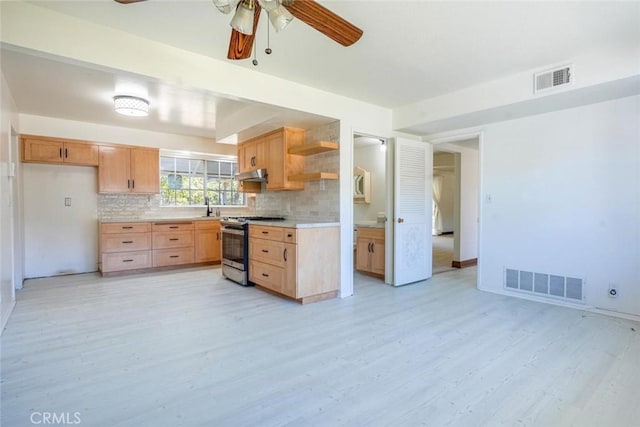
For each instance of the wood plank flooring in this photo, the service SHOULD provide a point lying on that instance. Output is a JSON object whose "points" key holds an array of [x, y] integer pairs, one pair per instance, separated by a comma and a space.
{"points": [[189, 348]]}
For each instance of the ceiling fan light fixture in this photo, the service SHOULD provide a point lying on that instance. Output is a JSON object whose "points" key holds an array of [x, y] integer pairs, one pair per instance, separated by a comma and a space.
{"points": [[279, 17], [243, 18], [226, 6], [131, 105]]}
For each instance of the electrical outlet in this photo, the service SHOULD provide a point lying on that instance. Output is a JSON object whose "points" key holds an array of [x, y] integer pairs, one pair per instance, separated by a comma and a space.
{"points": [[613, 291], [67, 201]]}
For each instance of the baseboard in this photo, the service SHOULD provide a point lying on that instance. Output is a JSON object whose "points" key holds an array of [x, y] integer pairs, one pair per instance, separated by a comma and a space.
{"points": [[466, 263]]}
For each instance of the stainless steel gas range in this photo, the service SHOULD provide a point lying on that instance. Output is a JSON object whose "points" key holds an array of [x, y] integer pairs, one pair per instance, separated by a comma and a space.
{"points": [[235, 246]]}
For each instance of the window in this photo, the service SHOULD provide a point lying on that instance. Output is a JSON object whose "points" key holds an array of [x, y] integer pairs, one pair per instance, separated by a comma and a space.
{"points": [[186, 182]]}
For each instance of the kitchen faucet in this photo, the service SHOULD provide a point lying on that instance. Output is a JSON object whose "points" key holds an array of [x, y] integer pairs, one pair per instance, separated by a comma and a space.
{"points": [[206, 202]]}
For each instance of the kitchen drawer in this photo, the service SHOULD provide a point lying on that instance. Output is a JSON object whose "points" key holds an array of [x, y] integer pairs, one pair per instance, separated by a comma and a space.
{"points": [[264, 232], [125, 261], [267, 251], [266, 275], [370, 233], [125, 242], [290, 235], [162, 257], [172, 226], [125, 227], [209, 224], [172, 239]]}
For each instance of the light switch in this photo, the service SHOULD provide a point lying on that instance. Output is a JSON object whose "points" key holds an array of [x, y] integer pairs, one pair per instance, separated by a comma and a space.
{"points": [[67, 201]]}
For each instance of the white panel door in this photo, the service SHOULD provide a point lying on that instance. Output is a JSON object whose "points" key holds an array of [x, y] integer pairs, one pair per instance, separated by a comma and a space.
{"points": [[413, 180]]}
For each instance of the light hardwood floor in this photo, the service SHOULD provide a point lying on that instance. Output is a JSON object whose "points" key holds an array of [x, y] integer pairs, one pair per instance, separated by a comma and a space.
{"points": [[442, 247], [188, 348]]}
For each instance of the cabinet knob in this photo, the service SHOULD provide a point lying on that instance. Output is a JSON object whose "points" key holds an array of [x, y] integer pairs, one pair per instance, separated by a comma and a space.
{"points": [[400, 220]]}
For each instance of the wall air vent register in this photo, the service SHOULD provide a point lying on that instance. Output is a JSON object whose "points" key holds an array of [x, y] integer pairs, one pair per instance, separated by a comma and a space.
{"points": [[543, 284], [552, 79]]}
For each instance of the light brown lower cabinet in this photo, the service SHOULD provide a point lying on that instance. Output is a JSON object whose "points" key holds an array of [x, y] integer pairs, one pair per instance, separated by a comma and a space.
{"points": [[140, 246], [299, 263], [370, 250]]}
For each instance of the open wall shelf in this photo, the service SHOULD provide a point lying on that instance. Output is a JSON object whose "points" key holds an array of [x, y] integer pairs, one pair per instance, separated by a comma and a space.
{"points": [[314, 148], [314, 176]]}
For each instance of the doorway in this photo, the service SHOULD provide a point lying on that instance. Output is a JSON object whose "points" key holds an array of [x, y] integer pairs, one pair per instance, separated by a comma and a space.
{"points": [[369, 208], [456, 233], [443, 217]]}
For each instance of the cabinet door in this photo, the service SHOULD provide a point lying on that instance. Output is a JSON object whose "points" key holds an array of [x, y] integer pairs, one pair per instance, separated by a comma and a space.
{"points": [[80, 154], [275, 168], [113, 170], [377, 256], [261, 157], [363, 252], [145, 170], [208, 245], [243, 159], [41, 150], [290, 259]]}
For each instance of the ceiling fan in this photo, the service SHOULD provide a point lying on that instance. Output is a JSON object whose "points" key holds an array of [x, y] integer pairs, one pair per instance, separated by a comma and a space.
{"points": [[280, 12]]}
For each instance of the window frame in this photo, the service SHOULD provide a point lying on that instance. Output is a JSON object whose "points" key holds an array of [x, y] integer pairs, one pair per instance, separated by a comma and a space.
{"points": [[201, 157]]}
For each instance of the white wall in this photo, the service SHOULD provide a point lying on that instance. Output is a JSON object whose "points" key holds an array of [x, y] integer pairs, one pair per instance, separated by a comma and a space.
{"points": [[469, 183], [372, 159], [60, 239], [565, 200], [7, 202]]}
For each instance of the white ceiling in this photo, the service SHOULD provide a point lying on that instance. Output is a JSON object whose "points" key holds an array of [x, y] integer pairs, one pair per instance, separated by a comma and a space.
{"points": [[410, 50]]}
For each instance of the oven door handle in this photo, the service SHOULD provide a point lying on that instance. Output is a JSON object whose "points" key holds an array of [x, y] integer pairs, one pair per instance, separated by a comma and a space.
{"points": [[232, 231]]}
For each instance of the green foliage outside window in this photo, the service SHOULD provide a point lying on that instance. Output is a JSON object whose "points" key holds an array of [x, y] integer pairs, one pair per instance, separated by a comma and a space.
{"points": [[185, 182]]}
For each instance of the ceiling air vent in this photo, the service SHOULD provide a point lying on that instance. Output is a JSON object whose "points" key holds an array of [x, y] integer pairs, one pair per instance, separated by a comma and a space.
{"points": [[553, 78]]}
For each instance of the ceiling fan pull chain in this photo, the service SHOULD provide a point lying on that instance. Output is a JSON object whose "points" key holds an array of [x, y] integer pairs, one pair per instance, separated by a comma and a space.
{"points": [[255, 49], [268, 49]]}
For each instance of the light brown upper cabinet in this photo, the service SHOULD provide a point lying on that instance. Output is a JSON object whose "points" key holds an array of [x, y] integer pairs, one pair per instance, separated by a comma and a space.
{"points": [[41, 149], [129, 170], [271, 151]]}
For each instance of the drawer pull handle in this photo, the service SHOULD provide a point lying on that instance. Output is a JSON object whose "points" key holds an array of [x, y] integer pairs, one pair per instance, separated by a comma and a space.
{"points": [[173, 239], [127, 241], [127, 227], [127, 260], [265, 232], [265, 251], [265, 274], [284, 254], [289, 235], [60, 153], [174, 226], [174, 256]]}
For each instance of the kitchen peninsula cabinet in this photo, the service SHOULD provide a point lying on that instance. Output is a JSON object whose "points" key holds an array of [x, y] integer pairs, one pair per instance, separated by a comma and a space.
{"points": [[42, 149], [128, 170], [271, 151], [299, 263], [370, 250]]}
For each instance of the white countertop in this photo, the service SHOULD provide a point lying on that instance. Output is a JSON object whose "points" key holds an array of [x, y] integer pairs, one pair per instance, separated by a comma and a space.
{"points": [[295, 224], [370, 224], [197, 218]]}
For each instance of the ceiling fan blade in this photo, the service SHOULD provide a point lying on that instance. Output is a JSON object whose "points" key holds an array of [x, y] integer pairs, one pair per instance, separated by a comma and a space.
{"points": [[240, 44], [128, 1], [325, 21]]}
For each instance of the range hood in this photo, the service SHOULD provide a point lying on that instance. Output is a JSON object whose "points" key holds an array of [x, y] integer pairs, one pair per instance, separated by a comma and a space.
{"points": [[258, 175]]}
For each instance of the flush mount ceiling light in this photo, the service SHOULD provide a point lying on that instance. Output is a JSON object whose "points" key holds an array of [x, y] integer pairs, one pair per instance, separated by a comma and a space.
{"points": [[280, 13], [131, 105]]}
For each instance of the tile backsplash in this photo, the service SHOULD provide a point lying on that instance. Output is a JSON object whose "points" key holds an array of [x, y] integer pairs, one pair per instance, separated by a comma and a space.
{"points": [[142, 206]]}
